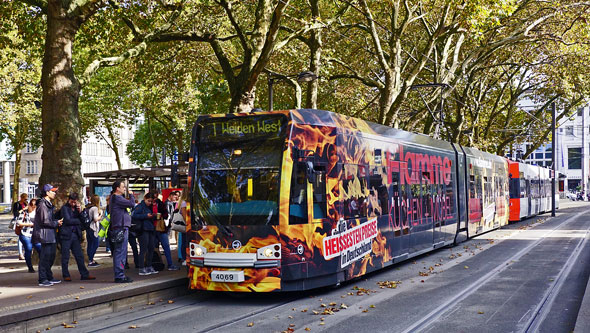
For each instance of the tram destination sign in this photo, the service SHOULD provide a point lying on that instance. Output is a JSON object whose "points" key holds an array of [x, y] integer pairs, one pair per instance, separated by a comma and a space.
{"points": [[240, 128]]}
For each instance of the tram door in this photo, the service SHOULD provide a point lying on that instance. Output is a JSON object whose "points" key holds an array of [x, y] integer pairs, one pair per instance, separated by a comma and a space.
{"points": [[529, 197], [399, 212], [419, 215]]}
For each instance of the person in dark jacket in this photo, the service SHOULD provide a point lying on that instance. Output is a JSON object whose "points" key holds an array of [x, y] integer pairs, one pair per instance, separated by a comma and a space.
{"points": [[144, 217], [70, 236], [44, 228], [120, 222]]}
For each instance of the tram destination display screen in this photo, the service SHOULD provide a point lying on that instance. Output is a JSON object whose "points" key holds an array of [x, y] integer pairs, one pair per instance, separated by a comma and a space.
{"points": [[241, 128]]}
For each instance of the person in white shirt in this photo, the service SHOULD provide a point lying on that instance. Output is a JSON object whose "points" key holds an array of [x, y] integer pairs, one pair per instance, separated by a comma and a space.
{"points": [[25, 222]]}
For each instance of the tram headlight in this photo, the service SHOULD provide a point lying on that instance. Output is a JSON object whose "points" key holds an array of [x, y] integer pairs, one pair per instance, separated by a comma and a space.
{"points": [[197, 250], [272, 251], [267, 252]]}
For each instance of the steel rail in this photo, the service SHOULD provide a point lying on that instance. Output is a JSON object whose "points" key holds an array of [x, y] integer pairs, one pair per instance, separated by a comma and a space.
{"points": [[435, 314]]}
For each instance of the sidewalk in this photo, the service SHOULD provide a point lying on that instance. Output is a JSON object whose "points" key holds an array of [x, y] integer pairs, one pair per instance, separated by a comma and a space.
{"points": [[26, 307]]}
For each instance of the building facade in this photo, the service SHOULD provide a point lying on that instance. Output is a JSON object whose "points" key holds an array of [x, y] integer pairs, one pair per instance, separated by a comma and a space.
{"points": [[572, 152]]}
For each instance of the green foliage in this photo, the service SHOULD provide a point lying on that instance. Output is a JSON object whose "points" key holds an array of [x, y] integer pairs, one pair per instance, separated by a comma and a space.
{"points": [[20, 68]]}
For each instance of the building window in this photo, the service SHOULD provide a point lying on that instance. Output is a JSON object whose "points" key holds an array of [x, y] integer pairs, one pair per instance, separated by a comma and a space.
{"points": [[580, 112], [539, 156], [574, 158], [11, 168], [29, 149], [569, 130], [32, 168]]}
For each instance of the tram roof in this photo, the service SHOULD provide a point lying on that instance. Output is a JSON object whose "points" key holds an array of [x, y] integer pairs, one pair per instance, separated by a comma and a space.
{"points": [[316, 117]]}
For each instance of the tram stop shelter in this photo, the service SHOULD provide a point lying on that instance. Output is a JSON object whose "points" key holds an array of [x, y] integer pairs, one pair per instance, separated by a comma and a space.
{"points": [[140, 180]]}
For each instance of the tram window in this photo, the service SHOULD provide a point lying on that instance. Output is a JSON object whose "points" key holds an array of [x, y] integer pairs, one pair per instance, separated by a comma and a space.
{"points": [[472, 186], [354, 185], [319, 193], [377, 199], [426, 194], [298, 202]]}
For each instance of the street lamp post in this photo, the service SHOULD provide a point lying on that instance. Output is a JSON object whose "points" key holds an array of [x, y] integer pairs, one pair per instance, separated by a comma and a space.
{"points": [[306, 76], [553, 158]]}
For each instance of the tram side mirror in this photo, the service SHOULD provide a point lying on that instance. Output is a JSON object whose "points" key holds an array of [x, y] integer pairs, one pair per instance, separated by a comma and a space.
{"points": [[310, 172]]}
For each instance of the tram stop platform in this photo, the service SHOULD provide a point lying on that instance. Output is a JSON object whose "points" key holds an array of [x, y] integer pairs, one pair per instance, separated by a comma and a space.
{"points": [[27, 307]]}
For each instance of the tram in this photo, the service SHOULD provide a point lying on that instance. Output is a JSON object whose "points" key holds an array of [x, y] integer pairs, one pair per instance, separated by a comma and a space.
{"points": [[530, 190], [299, 199]]}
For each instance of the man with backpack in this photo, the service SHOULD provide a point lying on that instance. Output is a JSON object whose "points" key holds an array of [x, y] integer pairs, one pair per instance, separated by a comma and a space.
{"points": [[70, 236]]}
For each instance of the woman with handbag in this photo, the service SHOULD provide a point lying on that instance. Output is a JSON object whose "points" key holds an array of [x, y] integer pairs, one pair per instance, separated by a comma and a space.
{"points": [[179, 225], [25, 234], [96, 215], [17, 209], [163, 230]]}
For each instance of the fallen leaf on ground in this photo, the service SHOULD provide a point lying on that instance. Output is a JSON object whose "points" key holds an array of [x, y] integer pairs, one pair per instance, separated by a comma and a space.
{"points": [[250, 324], [132, 327], [170, 301]]}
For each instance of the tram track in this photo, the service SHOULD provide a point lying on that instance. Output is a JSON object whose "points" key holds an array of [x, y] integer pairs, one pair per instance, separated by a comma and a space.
{"points": [[542, 308], [122, 319], [140, 317], [242, 317]]}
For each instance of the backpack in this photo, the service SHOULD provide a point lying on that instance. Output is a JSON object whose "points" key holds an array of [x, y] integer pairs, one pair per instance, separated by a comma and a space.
{"points": [[85, 218]]}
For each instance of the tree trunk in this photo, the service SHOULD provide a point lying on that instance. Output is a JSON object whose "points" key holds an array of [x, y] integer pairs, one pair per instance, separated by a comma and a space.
{"points": [[315, 58], [15, 187], [61, 123], [114, 145], [242, 101]]}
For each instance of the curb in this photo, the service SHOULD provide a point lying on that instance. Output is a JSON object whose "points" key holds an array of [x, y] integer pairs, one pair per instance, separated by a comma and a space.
{"points": [[583, 319], [66, 309]]}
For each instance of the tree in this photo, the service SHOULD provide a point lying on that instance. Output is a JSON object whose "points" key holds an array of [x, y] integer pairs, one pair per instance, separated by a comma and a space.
{"points": [[19, 75]]}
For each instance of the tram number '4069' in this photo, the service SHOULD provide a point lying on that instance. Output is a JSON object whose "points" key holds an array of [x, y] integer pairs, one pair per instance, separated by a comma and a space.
{"points": [[227, 276]]}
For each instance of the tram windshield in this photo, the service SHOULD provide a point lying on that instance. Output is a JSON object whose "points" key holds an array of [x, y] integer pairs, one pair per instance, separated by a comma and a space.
{"points": [[238, 164]]}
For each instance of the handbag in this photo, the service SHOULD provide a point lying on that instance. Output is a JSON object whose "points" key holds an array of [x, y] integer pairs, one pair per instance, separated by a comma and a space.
{"points": [[179, 226], [18, 229], [118, 236], [160, 226], [178, 223]]}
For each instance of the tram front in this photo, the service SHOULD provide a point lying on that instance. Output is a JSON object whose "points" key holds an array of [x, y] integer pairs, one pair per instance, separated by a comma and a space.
{"points": [[234, 241]]}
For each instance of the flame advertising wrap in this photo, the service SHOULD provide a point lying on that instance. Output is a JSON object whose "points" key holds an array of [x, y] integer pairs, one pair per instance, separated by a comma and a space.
{"points": [[299, 199]]}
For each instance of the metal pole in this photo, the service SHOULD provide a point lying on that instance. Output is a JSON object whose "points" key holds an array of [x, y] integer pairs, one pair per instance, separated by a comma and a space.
{"points": [[583, 159], [270, 93], [553, 158]]}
